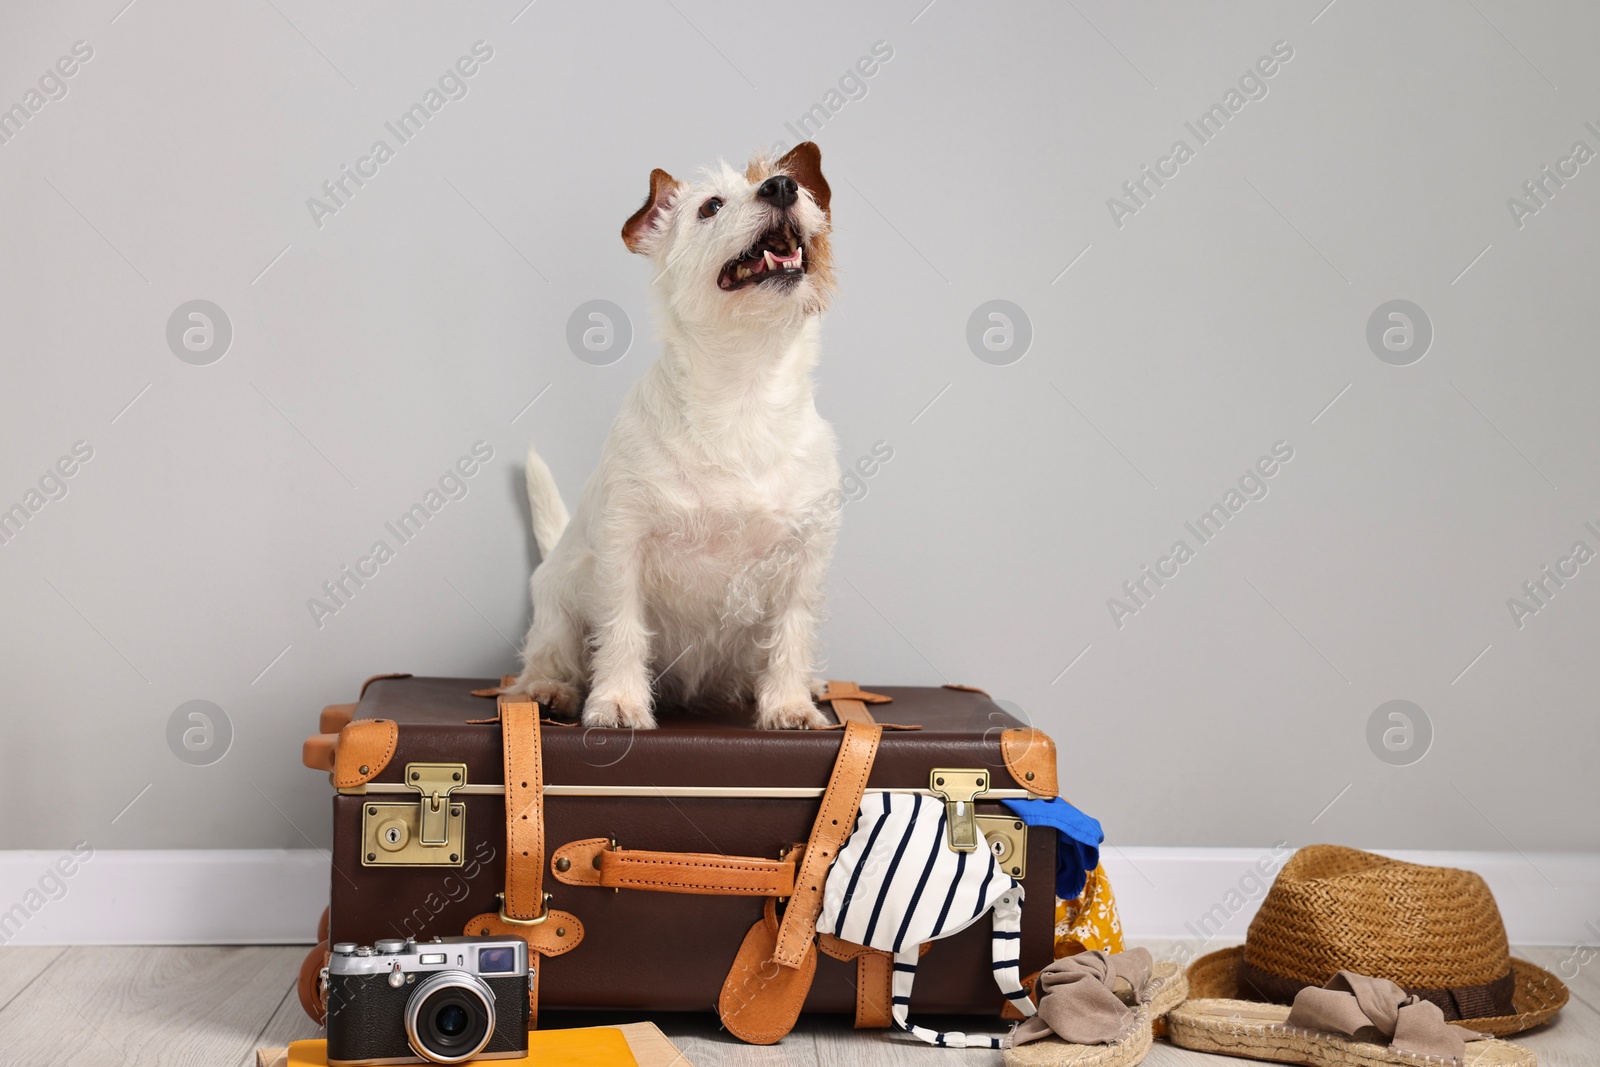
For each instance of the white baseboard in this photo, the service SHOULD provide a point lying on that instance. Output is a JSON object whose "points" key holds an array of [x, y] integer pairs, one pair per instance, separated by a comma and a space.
{"points": [[167, 897], [1206, 896], [1203, 896]]}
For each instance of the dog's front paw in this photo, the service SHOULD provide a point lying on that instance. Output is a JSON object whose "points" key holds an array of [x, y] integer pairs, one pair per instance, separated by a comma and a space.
{"points": [[601, 710], [557, 696], [791, 717]]}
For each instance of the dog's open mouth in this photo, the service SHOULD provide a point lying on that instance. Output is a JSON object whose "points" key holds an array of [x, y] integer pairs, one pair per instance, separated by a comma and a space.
{"points": [[777, 254]]}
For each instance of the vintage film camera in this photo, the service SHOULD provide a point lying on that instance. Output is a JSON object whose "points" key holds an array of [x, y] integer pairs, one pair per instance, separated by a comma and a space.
{"points": [[446, 1000]]}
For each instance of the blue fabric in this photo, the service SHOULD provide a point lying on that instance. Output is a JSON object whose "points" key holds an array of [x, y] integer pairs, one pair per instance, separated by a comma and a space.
{"points": [[1078, 847]]}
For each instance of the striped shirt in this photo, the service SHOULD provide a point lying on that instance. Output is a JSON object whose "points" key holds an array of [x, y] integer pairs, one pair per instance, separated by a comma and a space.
{"points": [[897, 884]]}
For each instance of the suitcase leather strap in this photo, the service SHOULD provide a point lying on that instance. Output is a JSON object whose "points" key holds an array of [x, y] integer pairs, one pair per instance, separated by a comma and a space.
{"points": [[597, 861], [840, 803], [850, 701], [525, 910], [524, 776], [771, 975], [874, 980], [760, 1000]]}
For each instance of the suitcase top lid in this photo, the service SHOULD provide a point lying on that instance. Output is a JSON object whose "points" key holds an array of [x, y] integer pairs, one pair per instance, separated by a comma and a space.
{"points": [[711, 746]]}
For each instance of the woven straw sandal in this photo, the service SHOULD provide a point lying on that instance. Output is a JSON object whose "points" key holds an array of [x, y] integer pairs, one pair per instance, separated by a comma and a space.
{"points": [[1258, 1031], [1165, 991]]}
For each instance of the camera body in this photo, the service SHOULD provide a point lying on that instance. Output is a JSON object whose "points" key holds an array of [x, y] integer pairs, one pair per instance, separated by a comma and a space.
{"points": [[445, 1000]]}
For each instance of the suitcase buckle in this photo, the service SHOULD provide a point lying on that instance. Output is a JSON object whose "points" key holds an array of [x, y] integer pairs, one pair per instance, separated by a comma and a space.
{"points": [[959, 788], [540, 918]]}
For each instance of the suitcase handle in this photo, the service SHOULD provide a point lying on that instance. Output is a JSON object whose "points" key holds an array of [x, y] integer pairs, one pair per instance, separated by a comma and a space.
{"points": [[318, 751], [597, 861]]}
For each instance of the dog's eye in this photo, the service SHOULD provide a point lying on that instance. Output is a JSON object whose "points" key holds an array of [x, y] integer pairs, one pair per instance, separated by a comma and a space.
{"points": [[711, 207]]}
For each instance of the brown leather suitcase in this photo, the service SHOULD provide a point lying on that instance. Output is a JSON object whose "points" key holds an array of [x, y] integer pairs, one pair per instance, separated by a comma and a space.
{"points": [[643, 860]]}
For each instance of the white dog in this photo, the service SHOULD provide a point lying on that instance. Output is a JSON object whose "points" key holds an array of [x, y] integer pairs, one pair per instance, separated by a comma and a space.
{"points": [[696, 561]]}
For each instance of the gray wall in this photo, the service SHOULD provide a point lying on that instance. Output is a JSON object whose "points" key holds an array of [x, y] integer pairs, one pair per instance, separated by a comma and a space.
{"points": [[1173, 343]]}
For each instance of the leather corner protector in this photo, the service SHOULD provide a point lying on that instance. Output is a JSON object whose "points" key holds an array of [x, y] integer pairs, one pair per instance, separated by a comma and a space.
{"points": [[318, 751], [582, 858], [364, 750], [379, 678], [1030, 756], [335, 717]]}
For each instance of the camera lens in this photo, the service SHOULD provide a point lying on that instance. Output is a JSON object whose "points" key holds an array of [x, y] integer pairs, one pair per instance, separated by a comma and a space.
{"points": [[450, 1017], [450, 1020]]}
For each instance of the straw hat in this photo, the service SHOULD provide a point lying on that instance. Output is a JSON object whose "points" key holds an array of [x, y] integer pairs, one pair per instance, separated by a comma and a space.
{"points": [[1434, 931]]}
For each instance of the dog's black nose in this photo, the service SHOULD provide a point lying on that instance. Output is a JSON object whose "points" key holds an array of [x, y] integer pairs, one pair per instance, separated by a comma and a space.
{"points": [[779, 190]]}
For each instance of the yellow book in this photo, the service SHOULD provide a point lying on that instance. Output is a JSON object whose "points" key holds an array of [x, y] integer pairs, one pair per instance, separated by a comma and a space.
{"points": [[630, 1045]]}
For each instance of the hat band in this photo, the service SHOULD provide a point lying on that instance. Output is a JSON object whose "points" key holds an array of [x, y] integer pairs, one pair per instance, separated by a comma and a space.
{"points": [[1459, 1003]]}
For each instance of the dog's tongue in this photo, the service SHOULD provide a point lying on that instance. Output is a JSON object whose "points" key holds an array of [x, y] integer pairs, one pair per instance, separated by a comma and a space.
{"points": [[771, 261], [768, 261]]}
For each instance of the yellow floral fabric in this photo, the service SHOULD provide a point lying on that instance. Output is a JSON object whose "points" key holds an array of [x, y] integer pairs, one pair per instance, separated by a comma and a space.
{"points": [[1090, 921]]}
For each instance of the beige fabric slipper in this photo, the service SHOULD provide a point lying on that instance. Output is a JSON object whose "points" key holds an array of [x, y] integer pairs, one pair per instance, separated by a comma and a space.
{"points": [[1166, 990], [1258, 1031]]}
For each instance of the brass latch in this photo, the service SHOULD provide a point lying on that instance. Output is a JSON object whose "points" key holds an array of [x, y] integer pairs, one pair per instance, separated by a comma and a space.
{"points": [[435, 781], [1007, 837], [960, 787], [429, 832]]}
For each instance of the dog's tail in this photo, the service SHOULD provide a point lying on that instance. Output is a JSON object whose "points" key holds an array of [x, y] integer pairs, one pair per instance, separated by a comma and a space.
{"points": [[544, 500]]}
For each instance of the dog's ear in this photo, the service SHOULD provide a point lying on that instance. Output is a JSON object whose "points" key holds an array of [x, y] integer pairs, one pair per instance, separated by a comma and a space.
{"points": [[803, 163], [641, 224]]}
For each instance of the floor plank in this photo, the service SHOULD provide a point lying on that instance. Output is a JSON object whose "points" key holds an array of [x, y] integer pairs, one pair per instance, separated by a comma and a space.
{"points": [[829, 1042], [1572, 1039], [146, 1006], [214, 1006], [289, 1022], [21, 964]]}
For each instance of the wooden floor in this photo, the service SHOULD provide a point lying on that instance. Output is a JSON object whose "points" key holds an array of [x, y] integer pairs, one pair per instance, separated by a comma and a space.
{"points": [[211, 1007]]}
